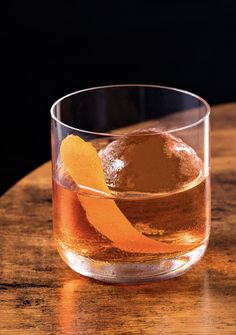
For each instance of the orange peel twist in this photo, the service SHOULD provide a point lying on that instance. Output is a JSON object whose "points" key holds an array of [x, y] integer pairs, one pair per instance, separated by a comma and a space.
{"points": [[82, 163]]}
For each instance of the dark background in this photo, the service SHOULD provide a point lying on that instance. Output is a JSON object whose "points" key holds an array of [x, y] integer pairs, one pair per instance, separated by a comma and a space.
{"points": [[57, 47]]}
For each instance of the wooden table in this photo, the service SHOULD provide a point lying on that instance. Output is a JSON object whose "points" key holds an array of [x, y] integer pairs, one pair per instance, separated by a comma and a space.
{"points": [[41, 295]]}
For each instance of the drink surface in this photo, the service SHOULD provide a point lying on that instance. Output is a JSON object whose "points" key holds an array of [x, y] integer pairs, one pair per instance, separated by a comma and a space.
{"points": [[181, 217]]}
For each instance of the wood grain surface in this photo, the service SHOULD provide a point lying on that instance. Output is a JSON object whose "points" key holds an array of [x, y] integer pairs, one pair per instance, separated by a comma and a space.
{"points": [[39, 294]]}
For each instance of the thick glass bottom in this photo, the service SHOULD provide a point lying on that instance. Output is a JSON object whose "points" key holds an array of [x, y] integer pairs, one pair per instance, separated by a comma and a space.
{"points": [[133, 272]]}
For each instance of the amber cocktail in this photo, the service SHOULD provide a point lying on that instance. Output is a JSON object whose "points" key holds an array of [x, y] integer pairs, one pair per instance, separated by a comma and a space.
{"points": [[131, 188]]}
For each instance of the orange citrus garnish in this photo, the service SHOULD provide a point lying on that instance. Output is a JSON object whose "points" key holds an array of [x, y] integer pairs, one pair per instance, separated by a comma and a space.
{"points": [[82, 163]]}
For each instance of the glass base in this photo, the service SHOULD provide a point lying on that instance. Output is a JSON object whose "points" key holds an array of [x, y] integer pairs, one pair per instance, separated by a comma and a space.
{"points": [[133, 272]]}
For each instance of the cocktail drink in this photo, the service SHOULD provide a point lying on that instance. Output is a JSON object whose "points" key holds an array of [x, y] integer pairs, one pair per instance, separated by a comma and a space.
{"points": [[131, 192]]}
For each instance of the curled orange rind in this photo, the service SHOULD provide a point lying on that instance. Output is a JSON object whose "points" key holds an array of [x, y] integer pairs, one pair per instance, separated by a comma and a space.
{"points": [[82, 163]]}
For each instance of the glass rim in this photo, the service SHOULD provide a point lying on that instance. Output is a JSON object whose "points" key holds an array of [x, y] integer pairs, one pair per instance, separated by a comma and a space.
{"points": [[110, 134]]}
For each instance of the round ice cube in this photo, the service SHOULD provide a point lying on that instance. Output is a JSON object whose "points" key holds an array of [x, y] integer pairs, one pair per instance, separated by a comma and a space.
{"points": [[147, 161]]}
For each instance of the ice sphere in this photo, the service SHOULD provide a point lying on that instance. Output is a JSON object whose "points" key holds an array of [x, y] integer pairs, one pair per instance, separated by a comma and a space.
{"points": [[147, 161]]}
